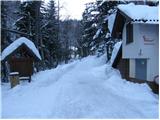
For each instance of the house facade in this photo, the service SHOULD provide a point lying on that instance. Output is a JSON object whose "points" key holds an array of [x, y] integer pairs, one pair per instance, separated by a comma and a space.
{"points": [[142, 50], [138, 28]]}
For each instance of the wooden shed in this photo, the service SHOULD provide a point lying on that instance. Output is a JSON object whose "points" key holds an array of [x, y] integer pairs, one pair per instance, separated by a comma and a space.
{"points": [[20, 56]]}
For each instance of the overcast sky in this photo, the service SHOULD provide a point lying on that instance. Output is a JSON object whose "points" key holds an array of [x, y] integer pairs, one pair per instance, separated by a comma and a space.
{"points": [[72, 8]]}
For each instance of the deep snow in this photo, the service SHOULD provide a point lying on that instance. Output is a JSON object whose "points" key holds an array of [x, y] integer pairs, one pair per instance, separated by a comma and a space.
{"points": [[86, 88]]}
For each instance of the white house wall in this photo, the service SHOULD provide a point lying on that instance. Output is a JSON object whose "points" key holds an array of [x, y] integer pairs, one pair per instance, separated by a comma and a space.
{"points": [[139, 48], [131, 50], [145, 45]]}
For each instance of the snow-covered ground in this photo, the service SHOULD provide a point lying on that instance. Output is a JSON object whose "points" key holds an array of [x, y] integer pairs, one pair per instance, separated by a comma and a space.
{"points": [[86, 88]]}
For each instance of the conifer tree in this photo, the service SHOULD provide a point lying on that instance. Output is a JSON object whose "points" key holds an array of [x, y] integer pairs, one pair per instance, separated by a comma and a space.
{"points": [[50, 35], [89, 27]]}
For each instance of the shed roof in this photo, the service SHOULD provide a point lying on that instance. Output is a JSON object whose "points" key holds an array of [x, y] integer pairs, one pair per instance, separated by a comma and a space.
{"points": [[18, 43]]}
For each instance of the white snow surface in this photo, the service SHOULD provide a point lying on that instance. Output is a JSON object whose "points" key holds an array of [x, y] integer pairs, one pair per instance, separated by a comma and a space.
{"points": [[115, 51], [141, 12], [86, 88], [13, 46]]}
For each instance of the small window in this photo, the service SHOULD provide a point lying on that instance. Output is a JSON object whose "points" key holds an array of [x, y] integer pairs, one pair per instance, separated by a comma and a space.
{"points": [[129, 33]]}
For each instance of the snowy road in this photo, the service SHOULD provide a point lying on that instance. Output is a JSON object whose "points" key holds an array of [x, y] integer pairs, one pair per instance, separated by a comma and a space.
{"points": [[82, 89]]}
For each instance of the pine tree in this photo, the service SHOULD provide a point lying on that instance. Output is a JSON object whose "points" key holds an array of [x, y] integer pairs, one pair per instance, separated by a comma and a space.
{"points": [[105, 43], [27, 19], [89, 27], [103, 40], [50, 35], [5, 36]]}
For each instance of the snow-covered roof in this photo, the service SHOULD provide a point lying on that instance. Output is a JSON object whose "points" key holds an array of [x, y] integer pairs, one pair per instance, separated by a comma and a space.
{"points": [[141, 13], [17, 43], [111, 20], [115, 51]]}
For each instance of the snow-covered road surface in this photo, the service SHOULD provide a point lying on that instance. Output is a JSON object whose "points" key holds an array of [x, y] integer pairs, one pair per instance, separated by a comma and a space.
{"points": [[82, 89]]}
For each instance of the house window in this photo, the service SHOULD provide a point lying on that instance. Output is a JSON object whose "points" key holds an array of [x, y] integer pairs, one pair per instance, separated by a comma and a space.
{"points": [[129, 33]]}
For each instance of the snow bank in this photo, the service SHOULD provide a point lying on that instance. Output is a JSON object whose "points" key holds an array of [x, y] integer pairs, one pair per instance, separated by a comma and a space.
{"points": [[141, 12], [13, 46], [86, 88]]}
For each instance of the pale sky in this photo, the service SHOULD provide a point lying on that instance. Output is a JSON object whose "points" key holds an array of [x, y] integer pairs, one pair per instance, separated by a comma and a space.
{"points": [[72, 8]]}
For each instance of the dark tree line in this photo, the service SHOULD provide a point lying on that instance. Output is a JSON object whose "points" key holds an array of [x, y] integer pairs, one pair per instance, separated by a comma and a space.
{"points": [[60, 41], [40, 22]]}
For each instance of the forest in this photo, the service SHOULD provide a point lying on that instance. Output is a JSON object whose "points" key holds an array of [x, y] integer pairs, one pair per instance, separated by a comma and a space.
{"points": [[59, 41]]}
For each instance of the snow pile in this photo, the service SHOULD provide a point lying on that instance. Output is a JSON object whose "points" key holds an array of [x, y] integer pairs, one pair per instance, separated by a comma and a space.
{"points": [[13, 46], [138, 12], [86, 88], [115, 51]]}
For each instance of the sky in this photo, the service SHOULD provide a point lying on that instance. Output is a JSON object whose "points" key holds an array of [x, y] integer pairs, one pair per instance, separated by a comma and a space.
{"points": [[72, 8]]}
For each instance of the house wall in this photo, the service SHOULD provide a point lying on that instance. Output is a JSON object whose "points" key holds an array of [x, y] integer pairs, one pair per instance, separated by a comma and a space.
{"points": [[145, 45]]}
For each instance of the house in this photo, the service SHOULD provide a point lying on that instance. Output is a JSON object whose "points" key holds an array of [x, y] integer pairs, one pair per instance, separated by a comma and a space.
{"points": [[138, 28], [20, 56]]}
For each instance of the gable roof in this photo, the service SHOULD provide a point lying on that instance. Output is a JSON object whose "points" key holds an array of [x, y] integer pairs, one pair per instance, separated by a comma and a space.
{"points": [[17, 44], [141, 13]]}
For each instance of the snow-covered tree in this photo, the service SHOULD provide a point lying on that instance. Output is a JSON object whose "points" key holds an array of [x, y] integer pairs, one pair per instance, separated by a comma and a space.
{"points": [[50, 33], [4, 34], [103, 37], [27, 18], [8, 17], [89, 26]]}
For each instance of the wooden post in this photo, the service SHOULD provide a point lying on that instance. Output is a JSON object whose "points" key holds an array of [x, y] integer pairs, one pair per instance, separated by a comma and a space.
{"points": [[14, 79]]}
